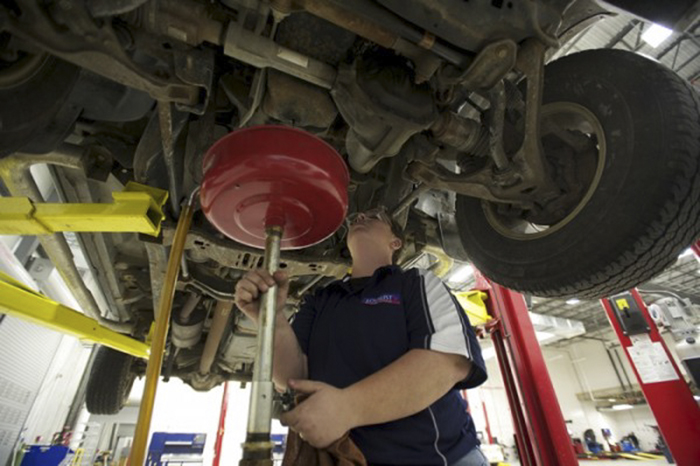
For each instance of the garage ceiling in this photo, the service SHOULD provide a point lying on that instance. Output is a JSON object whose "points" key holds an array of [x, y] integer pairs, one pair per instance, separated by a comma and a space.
{"points": [[682, 278], [680, 51]]}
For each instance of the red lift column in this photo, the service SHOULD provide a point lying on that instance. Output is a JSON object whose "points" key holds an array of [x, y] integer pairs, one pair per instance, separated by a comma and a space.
{"points": [[664, 388], [222, 425], [539, 424]]}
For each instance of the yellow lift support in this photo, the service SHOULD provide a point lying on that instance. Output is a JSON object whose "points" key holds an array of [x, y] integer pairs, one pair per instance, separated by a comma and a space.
{"points": [[22, 302], [473, 304], [137, 209]]}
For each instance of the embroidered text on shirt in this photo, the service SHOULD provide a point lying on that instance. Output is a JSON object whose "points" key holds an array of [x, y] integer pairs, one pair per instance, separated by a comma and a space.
{"points": [[383, 299]]}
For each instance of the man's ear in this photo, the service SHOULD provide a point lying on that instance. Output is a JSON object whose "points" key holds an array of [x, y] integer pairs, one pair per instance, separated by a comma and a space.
{"points": [[396, 244]]}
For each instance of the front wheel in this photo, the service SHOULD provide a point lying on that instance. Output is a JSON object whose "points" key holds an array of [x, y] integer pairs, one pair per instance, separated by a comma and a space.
{"points": [[621, 135], [35, 115], [110, 381]]}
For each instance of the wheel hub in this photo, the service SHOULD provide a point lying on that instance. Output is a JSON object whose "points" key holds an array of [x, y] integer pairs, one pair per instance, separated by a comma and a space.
{"points": [[574, 145]]}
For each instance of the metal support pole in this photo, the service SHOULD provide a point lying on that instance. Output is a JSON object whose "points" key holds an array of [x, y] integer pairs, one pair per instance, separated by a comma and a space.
{"points": [[257, 449], [155, 361], [540, 428], [222, 423], [488, 424], [664, 388], [523, 438]]}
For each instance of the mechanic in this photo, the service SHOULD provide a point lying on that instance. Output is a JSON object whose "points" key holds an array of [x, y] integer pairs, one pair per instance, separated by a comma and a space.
{"points": [[381, 353]]}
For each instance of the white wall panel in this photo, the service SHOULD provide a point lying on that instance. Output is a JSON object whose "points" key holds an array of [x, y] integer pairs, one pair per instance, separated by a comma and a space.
{"points": [[60, 385], [26, 351]]}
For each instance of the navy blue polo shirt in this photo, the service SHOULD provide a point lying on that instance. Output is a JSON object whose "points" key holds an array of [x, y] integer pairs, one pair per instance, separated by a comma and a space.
{"points": [[349, 334]]}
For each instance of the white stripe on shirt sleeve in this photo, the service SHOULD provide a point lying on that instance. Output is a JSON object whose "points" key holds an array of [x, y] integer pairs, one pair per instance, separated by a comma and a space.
{"points": [[449, 332]]}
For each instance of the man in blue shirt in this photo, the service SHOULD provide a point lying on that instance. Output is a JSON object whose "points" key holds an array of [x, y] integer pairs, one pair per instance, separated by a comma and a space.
{"points": [[381, 354]]}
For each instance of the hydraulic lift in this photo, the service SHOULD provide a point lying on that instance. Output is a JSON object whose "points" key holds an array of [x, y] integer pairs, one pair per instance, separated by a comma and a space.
{"points": [[137, 208], [540, 430], [541, 434], [666, 391]]}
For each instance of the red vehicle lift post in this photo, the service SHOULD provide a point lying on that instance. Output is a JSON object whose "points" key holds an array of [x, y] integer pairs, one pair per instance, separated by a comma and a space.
{"points": [[662, 383], [222, 426], [540, 429]]}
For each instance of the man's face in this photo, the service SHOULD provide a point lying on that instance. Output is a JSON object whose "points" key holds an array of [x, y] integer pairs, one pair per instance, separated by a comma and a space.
{"points": [[371, 229]]}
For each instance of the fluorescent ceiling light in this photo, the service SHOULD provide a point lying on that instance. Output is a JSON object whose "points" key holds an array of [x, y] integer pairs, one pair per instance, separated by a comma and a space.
{"points": [[622, 407], [697, 398], [461, 274], [656, 34], [573, 301], [543, 336], [686, 253], [612, 400]]}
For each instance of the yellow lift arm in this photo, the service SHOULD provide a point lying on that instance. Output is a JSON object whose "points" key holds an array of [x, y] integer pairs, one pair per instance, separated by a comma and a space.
{"points": [[473, 304], [138, 208], [22, 302]]}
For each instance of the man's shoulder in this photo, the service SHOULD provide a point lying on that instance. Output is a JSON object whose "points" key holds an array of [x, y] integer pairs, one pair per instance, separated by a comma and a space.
{"points": [[417, 273]]}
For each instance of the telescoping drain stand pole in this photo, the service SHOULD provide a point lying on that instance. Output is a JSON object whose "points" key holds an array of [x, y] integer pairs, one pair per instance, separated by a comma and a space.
{"points": [[279, 188], [257, 448]]}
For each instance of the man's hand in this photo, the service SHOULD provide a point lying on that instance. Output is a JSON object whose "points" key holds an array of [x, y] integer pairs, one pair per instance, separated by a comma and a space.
{"points": [[323, 417], [250, 288]]}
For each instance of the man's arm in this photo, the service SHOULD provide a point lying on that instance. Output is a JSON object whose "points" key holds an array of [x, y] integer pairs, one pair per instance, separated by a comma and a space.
{"points": [[289, 362], [408, 385]]}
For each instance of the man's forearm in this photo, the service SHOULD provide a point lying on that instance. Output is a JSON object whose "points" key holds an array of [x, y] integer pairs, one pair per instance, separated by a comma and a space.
{"points": [[405, 387], [289, 361]]}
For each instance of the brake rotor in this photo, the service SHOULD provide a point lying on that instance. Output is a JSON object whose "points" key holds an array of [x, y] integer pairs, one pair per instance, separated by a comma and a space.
{"points": [[265, 176]]}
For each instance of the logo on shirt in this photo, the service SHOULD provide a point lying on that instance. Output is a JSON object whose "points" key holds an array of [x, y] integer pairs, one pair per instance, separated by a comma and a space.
{"points": [[383, 299]]}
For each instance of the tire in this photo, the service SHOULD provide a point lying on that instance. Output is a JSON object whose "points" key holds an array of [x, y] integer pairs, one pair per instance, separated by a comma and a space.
{"points": [[110, 382], [644, 208], [35, 115]]}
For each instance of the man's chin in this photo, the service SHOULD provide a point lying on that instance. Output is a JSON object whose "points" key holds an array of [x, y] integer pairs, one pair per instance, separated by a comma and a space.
{"points": [[357, 230]]}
